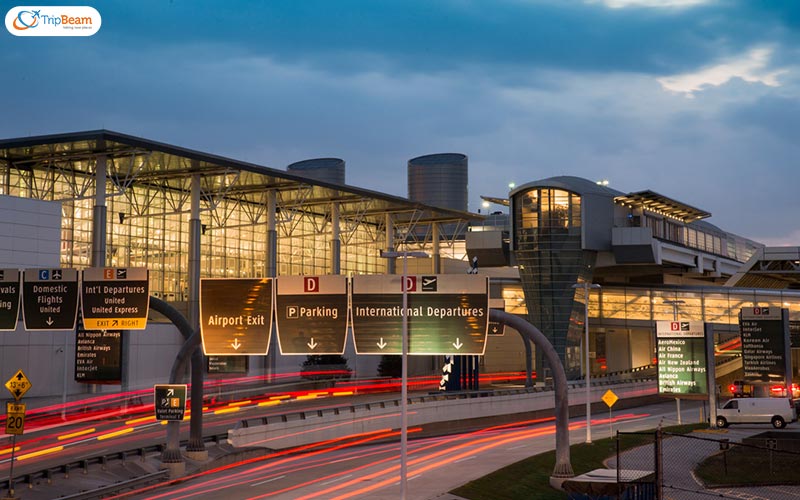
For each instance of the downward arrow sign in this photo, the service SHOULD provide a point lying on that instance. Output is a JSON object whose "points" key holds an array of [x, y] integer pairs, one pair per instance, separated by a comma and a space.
{"points": [[49, 321], [457, 344], [236, 345], [382, 344], [311, 345]]}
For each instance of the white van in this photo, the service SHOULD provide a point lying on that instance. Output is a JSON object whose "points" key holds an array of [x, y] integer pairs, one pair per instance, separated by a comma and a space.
{"points": [[777, 411]]}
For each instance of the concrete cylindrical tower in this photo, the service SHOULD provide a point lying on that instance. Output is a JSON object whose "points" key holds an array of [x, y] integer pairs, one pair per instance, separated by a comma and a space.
{"points": [[320, 169], [439, 180]]}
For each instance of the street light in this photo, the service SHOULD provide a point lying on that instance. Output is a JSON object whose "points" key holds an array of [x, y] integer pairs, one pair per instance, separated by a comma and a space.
{"points": [[675, 304], [586, 286], [404, 368]]}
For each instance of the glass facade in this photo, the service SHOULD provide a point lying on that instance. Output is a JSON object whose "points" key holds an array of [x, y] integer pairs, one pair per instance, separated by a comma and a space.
{"points": [[547, 235], [148, 223]]}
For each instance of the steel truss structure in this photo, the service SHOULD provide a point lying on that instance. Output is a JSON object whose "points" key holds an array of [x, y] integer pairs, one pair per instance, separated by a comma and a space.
{"points": [[148, 186]]}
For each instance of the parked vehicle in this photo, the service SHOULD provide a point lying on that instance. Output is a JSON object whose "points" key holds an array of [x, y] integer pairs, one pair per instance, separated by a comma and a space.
{"points": [[777, 411]]}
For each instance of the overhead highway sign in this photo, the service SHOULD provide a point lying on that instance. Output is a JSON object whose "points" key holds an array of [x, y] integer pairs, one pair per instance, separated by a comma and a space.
{"points": [[49, 299], [115, 298], [311, 314], [235, 316], [9, 299], [447, 314]]}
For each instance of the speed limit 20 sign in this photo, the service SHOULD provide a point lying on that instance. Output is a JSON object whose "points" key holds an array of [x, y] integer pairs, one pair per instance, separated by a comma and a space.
{"points": [[15, 418]]}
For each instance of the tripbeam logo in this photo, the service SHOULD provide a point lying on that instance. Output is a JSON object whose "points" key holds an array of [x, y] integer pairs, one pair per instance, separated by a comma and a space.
{"points": [[53, 21]]}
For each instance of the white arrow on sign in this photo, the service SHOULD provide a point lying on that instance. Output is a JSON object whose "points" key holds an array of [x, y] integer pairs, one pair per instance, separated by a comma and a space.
{"points": [[170, 392], [457, 344], [311, 345], [236, 345], [448, 368], [446, 377], [382, 344], [49, 321]]}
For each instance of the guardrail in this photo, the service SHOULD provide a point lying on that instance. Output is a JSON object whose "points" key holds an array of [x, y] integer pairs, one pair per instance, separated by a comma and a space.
{"points": [[82, 466]]}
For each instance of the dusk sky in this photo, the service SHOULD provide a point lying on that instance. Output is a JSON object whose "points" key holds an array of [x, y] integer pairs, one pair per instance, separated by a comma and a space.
{"points": [[697, 100]]}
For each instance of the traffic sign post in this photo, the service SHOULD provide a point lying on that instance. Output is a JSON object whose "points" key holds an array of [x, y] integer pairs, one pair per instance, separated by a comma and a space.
{"points": [[18, 385], [15, 418], [115, 298], [311, 314], [446, 314], [169, 401], [235, 316], [9, 299], [609, 398], [49, 299]]}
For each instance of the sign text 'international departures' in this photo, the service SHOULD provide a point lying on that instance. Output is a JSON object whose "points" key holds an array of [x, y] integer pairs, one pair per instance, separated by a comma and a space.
{"points": [[9, 299], [235, 315], [765, 344], [446, 314], [682, 363], [50, 299], [311, 314], [115, 298]]}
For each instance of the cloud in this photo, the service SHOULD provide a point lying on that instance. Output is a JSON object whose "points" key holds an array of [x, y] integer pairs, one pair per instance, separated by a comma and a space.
{"points": [[752, 67], [661, 4]]}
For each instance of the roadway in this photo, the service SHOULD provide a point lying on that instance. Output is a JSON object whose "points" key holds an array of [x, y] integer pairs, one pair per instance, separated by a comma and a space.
{"points": [[367, 466]]}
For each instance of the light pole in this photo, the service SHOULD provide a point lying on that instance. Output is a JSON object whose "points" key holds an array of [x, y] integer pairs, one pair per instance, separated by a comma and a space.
{"points": [[404, 369], [586, 286], [675, 304]]}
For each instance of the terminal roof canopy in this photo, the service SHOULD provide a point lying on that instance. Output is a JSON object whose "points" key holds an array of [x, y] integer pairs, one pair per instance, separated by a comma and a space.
{"points": [[650, 200], [133, 160]]}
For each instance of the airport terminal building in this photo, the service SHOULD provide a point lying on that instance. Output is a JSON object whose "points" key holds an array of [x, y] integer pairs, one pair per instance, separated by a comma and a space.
{"points": [[100, 198]]}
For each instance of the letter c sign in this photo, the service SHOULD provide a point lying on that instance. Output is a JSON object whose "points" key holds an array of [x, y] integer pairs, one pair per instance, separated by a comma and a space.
{"points": [[311, 284]]}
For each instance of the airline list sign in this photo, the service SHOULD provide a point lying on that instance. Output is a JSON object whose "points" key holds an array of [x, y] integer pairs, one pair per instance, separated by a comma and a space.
{"points": [[682, 364]]}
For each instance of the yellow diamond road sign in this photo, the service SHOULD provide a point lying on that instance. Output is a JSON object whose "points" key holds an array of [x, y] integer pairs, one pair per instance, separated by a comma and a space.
{"points": [[18, 385], [609, 398]]}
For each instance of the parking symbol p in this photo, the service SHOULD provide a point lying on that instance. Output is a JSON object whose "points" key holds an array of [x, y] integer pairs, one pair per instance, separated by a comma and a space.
{"points": [[292, 312]]}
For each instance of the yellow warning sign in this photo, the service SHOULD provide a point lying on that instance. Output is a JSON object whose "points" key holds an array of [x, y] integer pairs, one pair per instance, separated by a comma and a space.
{"points": [[18, 385], [15, 418], [609, 398]]}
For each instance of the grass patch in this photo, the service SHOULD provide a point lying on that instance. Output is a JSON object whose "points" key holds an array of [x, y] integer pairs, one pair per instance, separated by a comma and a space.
{"points": [[530, 478], [742, 465]]}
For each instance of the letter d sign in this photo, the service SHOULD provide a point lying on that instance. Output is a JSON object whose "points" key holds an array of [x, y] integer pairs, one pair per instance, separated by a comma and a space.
{"points": [[311, 284], [410, 283]]}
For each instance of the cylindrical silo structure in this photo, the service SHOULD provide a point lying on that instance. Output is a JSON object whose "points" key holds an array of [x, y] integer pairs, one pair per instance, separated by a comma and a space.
{"points": [[321, 169], [439, 180]]}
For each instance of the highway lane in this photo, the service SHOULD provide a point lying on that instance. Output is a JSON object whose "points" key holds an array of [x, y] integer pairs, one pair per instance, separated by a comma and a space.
{"points": [[63, 442], [366, 466]]}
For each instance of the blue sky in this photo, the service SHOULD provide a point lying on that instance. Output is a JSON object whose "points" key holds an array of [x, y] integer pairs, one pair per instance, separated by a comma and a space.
{"points": [[697, 100]]}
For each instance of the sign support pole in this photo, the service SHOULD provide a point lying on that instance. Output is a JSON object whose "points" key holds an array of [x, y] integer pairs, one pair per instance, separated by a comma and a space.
{"points": [[11, 466], [404, 389]]}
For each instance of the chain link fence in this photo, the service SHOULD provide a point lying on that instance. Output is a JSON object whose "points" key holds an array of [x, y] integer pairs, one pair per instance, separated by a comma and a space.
{"points": [[667, 466]]}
